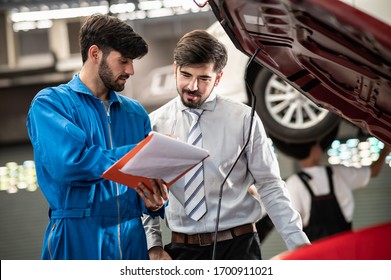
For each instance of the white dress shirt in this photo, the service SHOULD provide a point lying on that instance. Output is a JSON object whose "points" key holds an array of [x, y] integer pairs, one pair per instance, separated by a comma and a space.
{"points": [[345, 179], [225, 125]]}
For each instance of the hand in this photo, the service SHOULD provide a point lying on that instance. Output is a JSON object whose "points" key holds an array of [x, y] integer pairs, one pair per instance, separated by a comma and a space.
{"points": [[154, 199], [157, 253], [172, 136]]}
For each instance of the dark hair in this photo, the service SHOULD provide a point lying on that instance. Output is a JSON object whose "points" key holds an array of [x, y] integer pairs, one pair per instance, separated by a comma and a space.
{"points": [[302, 150], [200, 47], [110, 33], [297, 151]]}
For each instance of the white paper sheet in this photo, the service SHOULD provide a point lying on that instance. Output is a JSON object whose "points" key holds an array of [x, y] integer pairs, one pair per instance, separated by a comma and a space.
{"points": [[164, 157]]}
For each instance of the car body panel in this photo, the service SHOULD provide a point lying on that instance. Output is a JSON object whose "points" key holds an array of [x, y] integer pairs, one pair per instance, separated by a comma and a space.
{"points": [[336, 55], [369, 243]]}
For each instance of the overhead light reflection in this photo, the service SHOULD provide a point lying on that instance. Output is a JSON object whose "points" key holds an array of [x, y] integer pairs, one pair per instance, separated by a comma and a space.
{"points": [[141, 14], [42, 24], [160, 13], [58, 14], [171, 3], [122, 8], [24, 26], [190, 5], [15, 177], [150, 5], [26, 18], [355, 152]]}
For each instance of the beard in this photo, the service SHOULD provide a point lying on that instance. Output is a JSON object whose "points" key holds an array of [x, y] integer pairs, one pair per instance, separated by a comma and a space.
{"points": [[107, 77], [191, 103]]}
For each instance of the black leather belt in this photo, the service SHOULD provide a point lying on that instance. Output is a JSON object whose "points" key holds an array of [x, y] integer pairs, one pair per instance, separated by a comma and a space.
{"points": [[204, 239]]}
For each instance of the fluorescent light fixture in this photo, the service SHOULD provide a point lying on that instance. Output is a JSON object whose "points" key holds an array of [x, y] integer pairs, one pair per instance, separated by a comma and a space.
{"points": [[190, 5], [58, 14], [150, 5], [42, 24], [141, 14], [164, 12], [171, 3], [122, 8], [29, 25], [15, 177], [153, 9], [24, 26]]}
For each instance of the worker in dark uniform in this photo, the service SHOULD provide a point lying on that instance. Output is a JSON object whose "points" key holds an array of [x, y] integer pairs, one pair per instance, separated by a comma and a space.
{"points": [[324, 195], [326, 217]]}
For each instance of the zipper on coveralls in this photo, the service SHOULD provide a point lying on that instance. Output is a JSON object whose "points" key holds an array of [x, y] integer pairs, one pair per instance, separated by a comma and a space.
{"points": [[49, 240], [116, 184]]}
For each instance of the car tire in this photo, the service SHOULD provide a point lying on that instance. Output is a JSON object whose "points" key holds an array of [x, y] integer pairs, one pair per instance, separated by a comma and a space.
{"points": [[301, 151], [287, 114]]}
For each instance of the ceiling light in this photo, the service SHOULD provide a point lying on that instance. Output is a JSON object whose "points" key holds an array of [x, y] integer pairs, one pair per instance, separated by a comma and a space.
{"points": [[15, 177], [58, 14], [355, 152], [171, 3], [24, 26], [122, 8], [150, 5], [164, 12]]}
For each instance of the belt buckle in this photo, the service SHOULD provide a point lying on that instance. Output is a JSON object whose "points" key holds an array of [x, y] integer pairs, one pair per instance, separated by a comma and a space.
{"points": [[203, 240]]}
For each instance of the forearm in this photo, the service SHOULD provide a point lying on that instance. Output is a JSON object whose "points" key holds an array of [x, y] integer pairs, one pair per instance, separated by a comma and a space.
{"points": [[153, 231], [377, 165]]}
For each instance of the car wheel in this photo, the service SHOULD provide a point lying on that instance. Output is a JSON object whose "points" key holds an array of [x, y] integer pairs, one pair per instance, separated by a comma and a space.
{"points": [[301, 151], [286, 113]]}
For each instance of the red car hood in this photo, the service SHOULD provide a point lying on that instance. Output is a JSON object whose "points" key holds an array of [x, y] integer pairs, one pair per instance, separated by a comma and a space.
{"points": [[336, 55]]}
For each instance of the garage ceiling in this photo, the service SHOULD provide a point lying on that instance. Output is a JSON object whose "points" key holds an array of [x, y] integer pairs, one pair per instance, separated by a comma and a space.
{"points": [[35, 10], [53, 4], [36, 5]]}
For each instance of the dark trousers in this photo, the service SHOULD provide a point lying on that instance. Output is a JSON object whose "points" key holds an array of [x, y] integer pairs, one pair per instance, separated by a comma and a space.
{"points": [[244, 247]]}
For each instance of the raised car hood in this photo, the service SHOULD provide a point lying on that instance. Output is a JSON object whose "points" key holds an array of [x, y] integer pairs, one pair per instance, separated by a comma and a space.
{"points": [[336, 55]]}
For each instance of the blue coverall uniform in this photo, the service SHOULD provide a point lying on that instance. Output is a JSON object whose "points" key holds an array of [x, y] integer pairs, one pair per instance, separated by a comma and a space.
{"points": [[75, 140]]}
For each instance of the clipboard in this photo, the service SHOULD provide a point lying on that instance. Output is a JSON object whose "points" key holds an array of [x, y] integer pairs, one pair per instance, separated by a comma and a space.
{"points": [[158, 156]]}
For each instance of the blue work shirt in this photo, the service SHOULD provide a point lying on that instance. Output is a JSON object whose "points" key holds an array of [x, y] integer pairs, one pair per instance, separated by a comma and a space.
{"points": [[75, 139]]}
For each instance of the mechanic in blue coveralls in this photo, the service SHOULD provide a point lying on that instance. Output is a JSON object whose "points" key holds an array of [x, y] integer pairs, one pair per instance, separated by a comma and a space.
{"points": [[80, 129]]}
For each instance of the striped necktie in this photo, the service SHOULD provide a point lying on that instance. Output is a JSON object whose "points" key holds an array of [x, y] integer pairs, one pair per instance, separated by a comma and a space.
{"points": [[195, 204]]}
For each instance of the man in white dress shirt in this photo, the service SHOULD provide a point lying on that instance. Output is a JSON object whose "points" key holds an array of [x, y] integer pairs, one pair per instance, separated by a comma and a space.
{"points": [[199, 59]]}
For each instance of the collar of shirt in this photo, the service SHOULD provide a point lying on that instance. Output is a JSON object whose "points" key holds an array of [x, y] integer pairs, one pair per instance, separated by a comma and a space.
{"points": [[78, 86]]}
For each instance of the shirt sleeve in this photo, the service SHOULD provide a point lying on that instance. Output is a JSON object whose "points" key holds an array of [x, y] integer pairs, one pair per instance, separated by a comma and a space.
{"points": [[354, 178], [264, 166], [300, 198], [153, 231]]}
